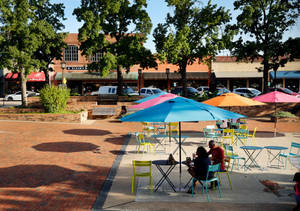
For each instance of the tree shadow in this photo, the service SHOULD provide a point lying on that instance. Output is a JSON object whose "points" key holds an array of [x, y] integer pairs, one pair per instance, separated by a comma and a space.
{"points": [[67, 147], [116, 140], [87, 132], [267, 134], [33, 175], [118, 152]]}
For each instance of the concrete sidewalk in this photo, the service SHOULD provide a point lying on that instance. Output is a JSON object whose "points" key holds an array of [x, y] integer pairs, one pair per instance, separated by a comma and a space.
{"points": [[248, 192]]}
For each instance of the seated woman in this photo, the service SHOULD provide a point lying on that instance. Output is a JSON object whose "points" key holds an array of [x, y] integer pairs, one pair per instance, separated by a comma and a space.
{"points": [[199, 170]]}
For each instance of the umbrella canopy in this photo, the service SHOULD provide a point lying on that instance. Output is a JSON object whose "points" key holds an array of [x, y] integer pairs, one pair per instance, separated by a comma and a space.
{"points": [[232, 99], [277, 97], [154, 101], [151, 97], [180, 109]]}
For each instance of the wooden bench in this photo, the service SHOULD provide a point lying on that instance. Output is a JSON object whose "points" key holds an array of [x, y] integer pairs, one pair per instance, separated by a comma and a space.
{"points": [[103, 111]]}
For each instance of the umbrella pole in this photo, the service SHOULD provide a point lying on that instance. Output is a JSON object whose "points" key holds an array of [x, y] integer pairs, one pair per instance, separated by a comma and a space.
{"points": [[179, 156], [275, 119]]}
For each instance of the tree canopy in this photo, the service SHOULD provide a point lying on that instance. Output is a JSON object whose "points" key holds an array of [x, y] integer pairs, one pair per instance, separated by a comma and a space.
{"points": [[26, 27], [265, 22], [192, 33], [116, 29]]}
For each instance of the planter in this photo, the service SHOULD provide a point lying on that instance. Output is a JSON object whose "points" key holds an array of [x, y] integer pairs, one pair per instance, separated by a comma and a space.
{"points": [[284, 119]]}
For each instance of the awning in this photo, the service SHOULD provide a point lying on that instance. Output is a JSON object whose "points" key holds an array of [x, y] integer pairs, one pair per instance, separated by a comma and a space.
{"points": [[32, 77], [286, 74], [95, 76], [175, 76], [239, 74]]}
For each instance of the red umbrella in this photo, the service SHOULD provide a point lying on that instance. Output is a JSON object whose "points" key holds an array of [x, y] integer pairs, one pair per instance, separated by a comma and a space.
{"points": [[277, 97]]}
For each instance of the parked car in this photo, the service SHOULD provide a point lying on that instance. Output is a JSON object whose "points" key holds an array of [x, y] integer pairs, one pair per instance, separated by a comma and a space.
{"points": [[18, 95], [286, 91], [247, 92], [112, 90], [222, 91], [149, 91], [191, 91], [203, 89]]}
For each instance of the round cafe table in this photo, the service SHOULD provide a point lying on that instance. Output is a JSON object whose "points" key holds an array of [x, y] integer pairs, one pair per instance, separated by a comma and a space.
{"points": [[273, 154], [252, 152]]}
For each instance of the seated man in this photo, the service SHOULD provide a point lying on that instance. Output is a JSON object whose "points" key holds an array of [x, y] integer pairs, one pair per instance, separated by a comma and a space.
{"points": [[217, 154]]}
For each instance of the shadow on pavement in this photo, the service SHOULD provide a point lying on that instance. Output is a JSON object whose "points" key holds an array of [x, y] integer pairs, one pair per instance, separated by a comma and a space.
{"points": [[87, 132], [66, 147]]}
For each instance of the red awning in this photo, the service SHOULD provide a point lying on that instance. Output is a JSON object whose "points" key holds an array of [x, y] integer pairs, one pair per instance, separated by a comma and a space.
{"points": [[32, 77]]}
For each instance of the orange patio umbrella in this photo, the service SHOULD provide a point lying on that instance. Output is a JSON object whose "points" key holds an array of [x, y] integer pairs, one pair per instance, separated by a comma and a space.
{"points": [[231, 99]]}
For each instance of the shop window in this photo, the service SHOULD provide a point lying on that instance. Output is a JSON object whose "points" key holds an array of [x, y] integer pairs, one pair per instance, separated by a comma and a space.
{"points": [[255, 83], [96, 57], [71, 53], [292, 84], [237, 83]]}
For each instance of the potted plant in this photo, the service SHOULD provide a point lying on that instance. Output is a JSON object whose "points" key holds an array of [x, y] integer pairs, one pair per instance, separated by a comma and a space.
{"points": [[283, 116]]}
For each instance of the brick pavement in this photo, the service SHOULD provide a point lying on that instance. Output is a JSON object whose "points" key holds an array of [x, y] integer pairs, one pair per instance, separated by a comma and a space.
{"points": [[59, 166]]}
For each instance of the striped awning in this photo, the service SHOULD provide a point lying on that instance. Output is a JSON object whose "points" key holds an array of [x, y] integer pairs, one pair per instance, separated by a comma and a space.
{"points": [[286, 74]]}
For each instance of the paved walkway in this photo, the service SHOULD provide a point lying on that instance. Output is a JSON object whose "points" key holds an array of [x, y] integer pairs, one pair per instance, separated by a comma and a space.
{"points": [[60, 166]]}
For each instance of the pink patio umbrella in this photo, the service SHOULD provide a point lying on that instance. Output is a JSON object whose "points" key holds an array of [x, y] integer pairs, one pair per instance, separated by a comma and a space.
{"points": [[277, 97], [154, 101]]}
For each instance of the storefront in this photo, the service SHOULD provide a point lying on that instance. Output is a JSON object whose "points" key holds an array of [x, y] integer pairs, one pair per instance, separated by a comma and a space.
{"points": [[287, 79]]}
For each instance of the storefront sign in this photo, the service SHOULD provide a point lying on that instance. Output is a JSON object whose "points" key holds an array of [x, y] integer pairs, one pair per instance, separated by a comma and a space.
{"points": [[77, 68]]}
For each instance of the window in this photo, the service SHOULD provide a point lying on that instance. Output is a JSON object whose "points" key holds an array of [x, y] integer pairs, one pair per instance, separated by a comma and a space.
{"points": [[96, 57], [71, 53]]}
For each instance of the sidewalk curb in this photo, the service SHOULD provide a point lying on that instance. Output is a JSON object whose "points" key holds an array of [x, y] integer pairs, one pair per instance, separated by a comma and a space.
{"points": [[101, 198]]}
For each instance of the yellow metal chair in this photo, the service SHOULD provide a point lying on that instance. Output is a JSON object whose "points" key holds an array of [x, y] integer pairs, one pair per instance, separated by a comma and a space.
{"points": [[252, 136], [244, 127], [227, 134], [148, 128], [141, 141], [233, 156], [227, 166], [173, 127], [137, 173]]}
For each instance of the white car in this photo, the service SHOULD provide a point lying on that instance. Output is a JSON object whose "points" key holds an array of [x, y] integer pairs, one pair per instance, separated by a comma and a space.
{"points": [[247, 92], [18, 95], [150, 91]]}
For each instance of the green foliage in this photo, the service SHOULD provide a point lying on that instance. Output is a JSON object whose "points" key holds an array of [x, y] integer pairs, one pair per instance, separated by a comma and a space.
{"points": [[106, 29], [54, 99], [28, 38], [283, 114], [192, 34], [265, 22]]}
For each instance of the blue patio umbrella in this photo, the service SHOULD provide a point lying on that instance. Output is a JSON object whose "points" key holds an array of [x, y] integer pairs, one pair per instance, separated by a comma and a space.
{"points": [[150, 97], [181, 110]]}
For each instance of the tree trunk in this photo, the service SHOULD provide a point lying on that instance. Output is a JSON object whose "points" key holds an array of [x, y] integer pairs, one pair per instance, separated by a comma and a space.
{"points": [[120, 81], [183, 79], [23, 88], [265, 75]]}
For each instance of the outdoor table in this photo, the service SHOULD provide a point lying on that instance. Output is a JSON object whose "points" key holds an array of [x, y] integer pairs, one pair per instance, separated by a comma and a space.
{"points": [[183, 138], [165, 174], [161, 142], [251, 155], [274, 155]]}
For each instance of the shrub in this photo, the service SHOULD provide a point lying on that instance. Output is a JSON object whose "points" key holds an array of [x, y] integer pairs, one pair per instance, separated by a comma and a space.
{"points": [[54, 99], [283, 114]]}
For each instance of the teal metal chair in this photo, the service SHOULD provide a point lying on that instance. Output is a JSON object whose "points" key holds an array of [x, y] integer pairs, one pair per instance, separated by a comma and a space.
{"points": [[294, 151], [233, 156], [214, 169], [211, 134]]}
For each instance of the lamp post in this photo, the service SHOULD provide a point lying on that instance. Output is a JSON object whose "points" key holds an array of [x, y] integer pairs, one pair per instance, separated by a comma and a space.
{"points": [[140, 78], [63, 66], [168, 82]]}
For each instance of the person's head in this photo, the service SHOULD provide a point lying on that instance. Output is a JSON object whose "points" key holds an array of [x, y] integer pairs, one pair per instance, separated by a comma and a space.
{"points": [[297, 177], [201, 152], [212, 144]]}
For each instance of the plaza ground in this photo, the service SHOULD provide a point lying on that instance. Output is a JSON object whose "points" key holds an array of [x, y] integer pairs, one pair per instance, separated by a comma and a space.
{"points": [[59, 166]]}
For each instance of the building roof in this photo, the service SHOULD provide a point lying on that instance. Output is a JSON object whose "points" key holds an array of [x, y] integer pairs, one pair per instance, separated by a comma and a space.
{"points": [[240, 74]]}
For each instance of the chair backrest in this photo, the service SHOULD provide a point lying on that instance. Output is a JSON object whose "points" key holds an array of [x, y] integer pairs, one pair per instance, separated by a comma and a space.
{"points": [[295, 148], [140, 138], [243, 121], [140, 163], [254, 131], [245, 127], [228, 148], [173, 126], [207, 131], [212, 168], [242, 132], [228, 132]]}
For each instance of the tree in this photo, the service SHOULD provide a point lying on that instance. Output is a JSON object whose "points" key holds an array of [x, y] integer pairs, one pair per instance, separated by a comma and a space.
{"points": [[192, 34], [117, 29], [24, 36], [265, 22]]}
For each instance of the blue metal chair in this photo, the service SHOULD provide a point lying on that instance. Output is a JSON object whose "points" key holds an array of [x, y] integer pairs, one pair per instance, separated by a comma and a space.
{"points": [[211, 168], [294, 151], [233, 156]]}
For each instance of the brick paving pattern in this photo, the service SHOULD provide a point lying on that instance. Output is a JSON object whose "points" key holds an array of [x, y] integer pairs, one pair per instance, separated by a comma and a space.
{"points": [[58, 166]]}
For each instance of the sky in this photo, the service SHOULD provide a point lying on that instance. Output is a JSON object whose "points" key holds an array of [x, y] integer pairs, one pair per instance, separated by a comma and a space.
{"points": [[157, 10]]}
